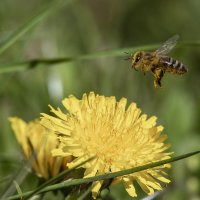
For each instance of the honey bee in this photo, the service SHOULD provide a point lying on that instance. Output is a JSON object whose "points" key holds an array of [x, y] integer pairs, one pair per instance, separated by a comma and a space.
{"points": [[158, 62]]}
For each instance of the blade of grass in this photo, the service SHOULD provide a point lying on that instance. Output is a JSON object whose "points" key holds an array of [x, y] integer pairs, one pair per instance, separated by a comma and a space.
{"points": [[14, 67], [56, 178], [18, 188], [85, 194], [30, 24], [19, 176], [108, 176], [30, 64]]}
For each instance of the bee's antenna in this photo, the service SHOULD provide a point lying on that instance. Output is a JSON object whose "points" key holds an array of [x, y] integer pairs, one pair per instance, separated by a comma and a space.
{"points": [[128, 57], [126, 53]]}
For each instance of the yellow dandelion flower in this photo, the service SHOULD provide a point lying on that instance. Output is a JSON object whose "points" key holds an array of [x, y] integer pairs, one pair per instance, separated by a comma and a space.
{"points": [[119, 138], [37, 143]]}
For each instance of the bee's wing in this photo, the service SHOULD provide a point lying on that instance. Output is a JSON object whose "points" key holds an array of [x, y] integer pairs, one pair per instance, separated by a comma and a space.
{"points": [[168, 45]]}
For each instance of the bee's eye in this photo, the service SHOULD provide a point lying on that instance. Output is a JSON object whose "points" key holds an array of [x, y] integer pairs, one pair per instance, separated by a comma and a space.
{"points": [[137, 59]]}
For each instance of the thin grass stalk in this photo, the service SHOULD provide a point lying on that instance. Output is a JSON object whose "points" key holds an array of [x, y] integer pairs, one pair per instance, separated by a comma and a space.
{"points": [[106, 176], [46, 62], [56, 178], [30, 24]]}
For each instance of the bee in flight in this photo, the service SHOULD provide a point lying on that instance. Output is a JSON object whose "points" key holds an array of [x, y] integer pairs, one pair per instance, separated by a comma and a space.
{"points": [[158, 62]]}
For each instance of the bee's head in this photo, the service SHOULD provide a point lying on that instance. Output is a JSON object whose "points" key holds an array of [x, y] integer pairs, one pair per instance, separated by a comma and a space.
{"points": [[136, 60]]}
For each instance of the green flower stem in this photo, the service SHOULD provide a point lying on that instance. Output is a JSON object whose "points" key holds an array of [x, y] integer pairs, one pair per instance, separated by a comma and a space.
{"points": [[30, 24], [105, 176], [29, 64]]}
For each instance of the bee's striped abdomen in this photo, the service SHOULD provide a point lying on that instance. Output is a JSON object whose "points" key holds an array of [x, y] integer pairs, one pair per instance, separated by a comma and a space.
{"points": [[173, 66]]}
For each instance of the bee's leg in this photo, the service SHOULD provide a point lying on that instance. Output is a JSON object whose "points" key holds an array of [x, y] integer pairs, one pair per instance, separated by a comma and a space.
{"points": [[161, 74], [158, 74], [143, 71]]}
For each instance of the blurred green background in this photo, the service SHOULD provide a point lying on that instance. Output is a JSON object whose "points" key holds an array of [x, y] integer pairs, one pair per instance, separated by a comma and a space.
{"points": [[86, 27]]}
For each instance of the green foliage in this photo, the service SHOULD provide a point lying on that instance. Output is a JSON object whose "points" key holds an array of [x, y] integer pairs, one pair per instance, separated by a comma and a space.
{"points": [[65, 184]]}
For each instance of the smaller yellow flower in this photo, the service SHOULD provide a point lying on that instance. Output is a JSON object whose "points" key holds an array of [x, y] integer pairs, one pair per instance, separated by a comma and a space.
{"points": [[36, 141]]}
